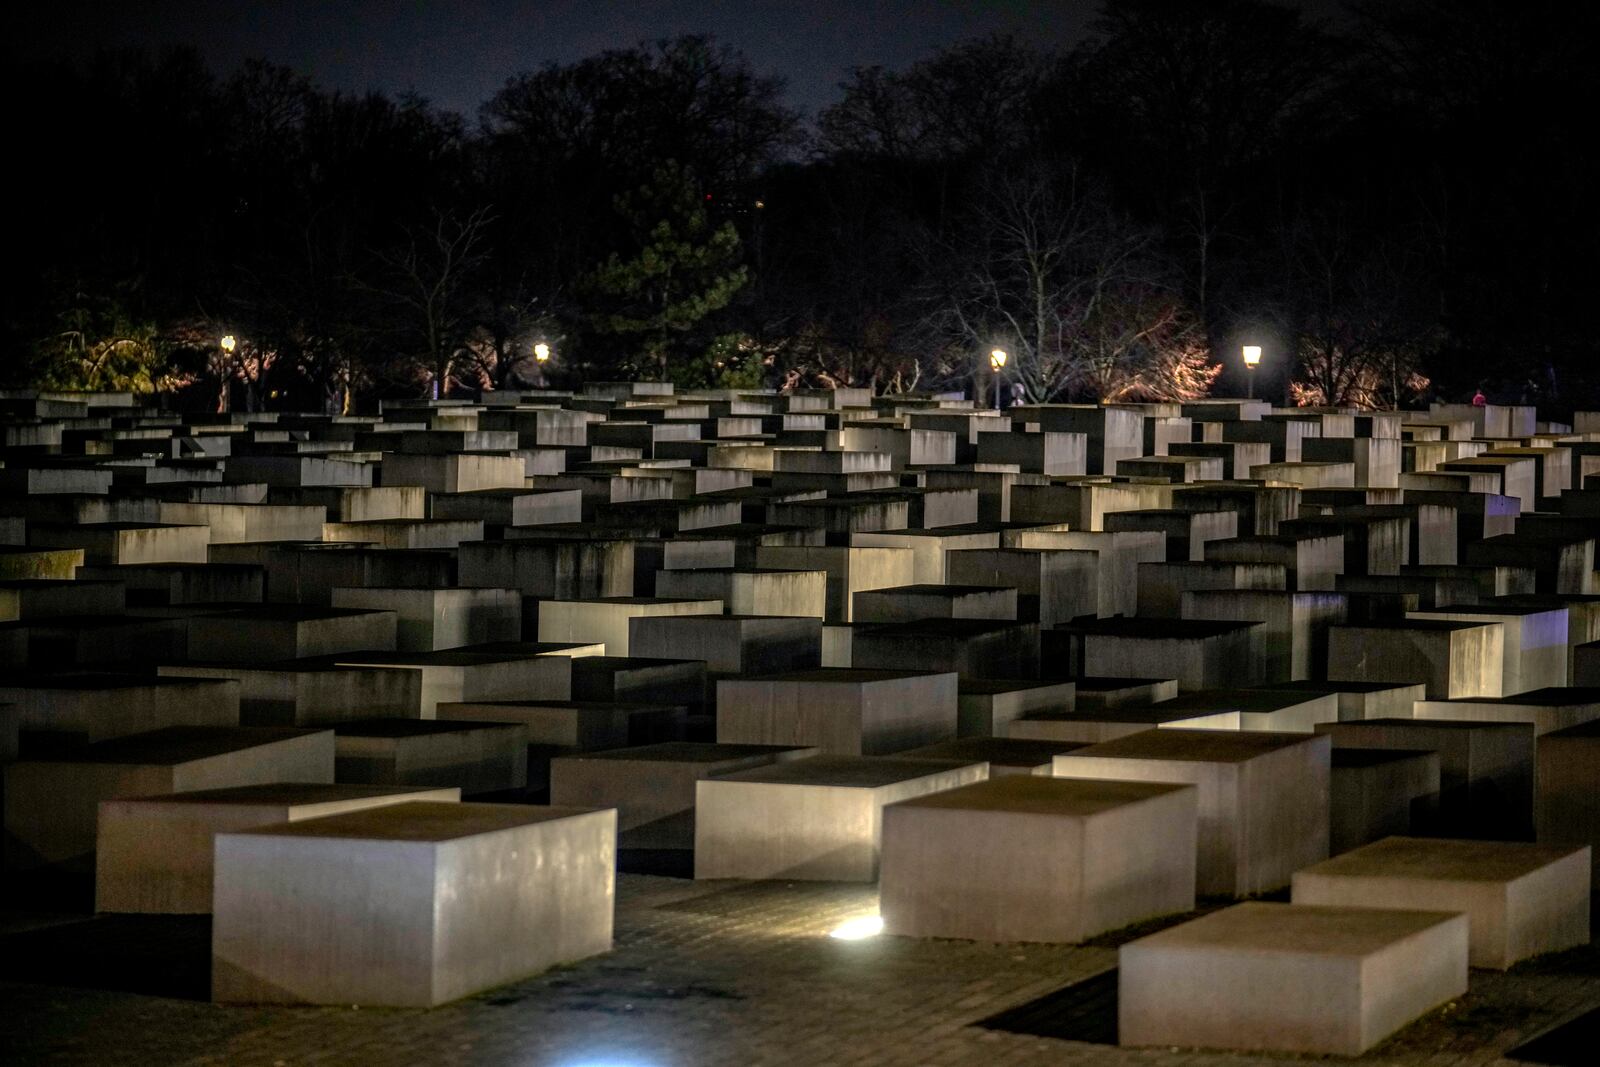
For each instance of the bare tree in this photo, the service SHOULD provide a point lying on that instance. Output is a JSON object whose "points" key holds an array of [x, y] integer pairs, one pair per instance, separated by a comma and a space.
{"points": [[429, 273], [1081, 300]]}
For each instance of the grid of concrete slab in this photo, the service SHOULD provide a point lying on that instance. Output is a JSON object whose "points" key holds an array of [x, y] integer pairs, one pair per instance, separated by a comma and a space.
{"points": [[1312, 697]]}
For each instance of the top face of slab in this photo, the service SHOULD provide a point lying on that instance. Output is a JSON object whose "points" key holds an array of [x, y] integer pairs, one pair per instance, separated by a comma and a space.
{"points": [[1360, 758], [173, 745], [838, 676], [1295, 929], [1582, 731], [946, 627], [1034, 795], [422, 821], [689, 752], [1438, 625], [937, 590], [1219, 700], [70, 682], [1345, 687], [1162, 629], [1107, 684], [411, 727], [1005, 751], [847, 772], [1437, 725], [996, 686], [295, 613], [1198, 746], [447, 658], [284, 794], [1435, 859], [1549, 697]]}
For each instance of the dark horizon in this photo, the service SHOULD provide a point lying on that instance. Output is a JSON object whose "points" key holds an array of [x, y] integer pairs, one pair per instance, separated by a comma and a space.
{"points": [[458, 55]]}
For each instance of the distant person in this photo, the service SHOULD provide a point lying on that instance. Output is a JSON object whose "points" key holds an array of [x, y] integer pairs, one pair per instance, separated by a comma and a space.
{"points": [[1019, 394], [1479, 400]]}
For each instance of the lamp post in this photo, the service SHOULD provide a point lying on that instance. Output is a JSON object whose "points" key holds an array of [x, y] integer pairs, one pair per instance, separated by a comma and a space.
{"points": [[997, 362], [1252, 357], [541, 352]]}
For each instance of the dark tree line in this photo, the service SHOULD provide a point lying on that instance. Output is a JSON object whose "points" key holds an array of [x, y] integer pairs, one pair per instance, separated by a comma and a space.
{"points": [[1395, 205]]}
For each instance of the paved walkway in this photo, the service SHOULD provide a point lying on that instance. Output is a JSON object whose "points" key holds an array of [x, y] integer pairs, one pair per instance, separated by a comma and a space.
{"points": [[702, 974]]}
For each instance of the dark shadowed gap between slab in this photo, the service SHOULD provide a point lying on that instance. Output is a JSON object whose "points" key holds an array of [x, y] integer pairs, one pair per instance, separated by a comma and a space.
{"points": [[1083, 1011], [1573, 1044]]}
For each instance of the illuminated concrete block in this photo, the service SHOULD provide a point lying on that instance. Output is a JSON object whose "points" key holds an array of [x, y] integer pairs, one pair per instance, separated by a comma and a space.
{"points": [[653, 786], [311, 692], [1546, 709], [409, 905], [1021, 858], [1289, 978], [1263, 801], [1004, 755], [477, 757], [1450, 659], [850, 569], [606, 619], [80, 708], [846, 712], [266, 633], [815, 819], [51, 804], [972, 648], [1291, 643], [431, 619], [1521, 899], [911, 603], [455, 675], [987, 706], [153, 854], [1534, 640], [1364, 700], [750, 592], [1200, 654], [735, 644], [1378, 792]]}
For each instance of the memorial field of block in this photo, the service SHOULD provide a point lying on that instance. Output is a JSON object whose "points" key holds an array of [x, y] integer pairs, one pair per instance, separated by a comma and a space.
{"points": [[1520, 899], [1024, 858], [813, 819], [735, 644], [476, 895], [1289, 978], [1263, 797]]}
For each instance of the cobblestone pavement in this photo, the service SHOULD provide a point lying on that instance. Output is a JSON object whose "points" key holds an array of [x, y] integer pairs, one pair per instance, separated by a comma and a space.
{"points": [[702, 974]]}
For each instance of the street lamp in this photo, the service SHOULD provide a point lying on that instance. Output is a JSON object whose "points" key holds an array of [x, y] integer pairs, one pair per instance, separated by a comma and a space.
{"points": [[997, 362], [228, 344], [1252, 357], [541, 351]]}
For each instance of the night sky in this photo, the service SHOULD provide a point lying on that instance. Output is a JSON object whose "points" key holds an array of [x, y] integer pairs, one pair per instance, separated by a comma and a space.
{"points": [[458, 53]]}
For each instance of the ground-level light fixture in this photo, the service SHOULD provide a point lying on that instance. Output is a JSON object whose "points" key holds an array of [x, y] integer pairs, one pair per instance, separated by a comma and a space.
{"points": [[859, 928], [541, 351], [1252, 359]]}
